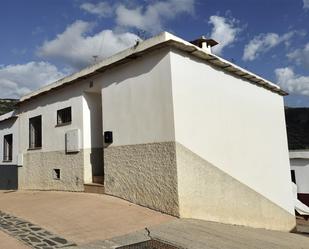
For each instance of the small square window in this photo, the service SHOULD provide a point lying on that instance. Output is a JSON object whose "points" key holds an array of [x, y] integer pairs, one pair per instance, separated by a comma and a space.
{"points": [[64, 116], [56, 174]]}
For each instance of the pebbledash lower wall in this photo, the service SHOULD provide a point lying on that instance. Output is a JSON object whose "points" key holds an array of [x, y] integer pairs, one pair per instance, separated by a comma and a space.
{"points": [[144, 174], [37, 171], [168, 177]]}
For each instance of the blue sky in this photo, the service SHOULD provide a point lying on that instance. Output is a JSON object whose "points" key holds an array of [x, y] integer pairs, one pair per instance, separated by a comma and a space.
{"points": [[44, 40]]}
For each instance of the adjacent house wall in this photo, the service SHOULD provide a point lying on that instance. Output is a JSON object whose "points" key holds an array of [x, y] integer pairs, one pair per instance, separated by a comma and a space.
{"points": [[140, 164], [232, 154], [8, 170], [9, 126]]}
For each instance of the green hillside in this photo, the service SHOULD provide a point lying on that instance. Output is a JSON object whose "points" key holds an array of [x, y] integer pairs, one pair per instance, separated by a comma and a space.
{"points": [[297, 123], [7, 105]]}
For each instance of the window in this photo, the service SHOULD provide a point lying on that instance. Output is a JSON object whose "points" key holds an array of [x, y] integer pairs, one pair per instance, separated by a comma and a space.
{"points": [[35, 132], [8, 148], [293, 176], [64, 116], [56, 174]]}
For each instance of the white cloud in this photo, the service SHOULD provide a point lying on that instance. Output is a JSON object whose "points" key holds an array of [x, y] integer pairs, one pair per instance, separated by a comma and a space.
{"points": [[306, 4], [102, 9], [300, 56], [76, 49], [17, 80], [151, 18], [292, 82], [263, 43], [224, 31]]}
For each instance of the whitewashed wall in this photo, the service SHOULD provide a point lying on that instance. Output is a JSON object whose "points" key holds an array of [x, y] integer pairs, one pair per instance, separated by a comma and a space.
{"points": [[236, 126], [53, 137], [38, 164], [137, 101], [140, 164]]}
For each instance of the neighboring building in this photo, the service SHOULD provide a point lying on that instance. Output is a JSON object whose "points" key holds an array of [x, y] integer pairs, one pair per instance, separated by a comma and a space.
{"points": [[168, 125], [297, 120], [9, 151], [299, 161]]}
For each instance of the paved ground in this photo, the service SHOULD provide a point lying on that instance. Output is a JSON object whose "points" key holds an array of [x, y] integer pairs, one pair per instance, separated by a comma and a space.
{"points": [[302, 225], [8, 242], [79, 217], [100, 221], [197, 234], [30, 234]]}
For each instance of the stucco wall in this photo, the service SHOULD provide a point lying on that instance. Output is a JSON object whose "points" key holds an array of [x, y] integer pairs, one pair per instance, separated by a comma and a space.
{"points": [[208, 193], [137, 100], [38, 164], [144, 174], [53, 137], [236, 126], [9, 126], [137, 107], [37, 172]]}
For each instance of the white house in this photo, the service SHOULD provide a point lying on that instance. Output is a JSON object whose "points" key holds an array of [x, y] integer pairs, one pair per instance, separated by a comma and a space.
{"points": [[167, 125], [299, 160]]}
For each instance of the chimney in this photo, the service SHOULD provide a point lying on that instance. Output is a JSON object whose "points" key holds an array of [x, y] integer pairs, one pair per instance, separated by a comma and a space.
{"points": [[204, 43]]}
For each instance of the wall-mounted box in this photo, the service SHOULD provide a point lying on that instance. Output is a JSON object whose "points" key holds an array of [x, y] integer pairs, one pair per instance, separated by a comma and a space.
{"points": [[72, 141], [108, 137]]}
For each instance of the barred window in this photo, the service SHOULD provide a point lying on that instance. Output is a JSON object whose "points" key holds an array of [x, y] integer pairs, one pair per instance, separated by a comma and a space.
{"points": [[35, 132], [64, 116], [8, 148]]}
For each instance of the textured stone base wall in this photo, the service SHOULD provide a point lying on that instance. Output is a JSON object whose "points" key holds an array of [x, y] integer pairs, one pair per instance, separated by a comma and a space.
{"points": [[144, 174], [206, 192], [37, 171]]}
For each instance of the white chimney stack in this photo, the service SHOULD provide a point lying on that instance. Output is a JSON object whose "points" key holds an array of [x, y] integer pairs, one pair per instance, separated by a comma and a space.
{"points": [[205, 43]]}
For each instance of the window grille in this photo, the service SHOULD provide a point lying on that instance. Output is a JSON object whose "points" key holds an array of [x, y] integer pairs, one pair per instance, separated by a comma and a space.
{"points": [[35, 132], [64, 116]]}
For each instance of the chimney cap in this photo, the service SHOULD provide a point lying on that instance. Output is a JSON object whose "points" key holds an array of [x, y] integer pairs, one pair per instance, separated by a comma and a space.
{"points": [[199, 41]]}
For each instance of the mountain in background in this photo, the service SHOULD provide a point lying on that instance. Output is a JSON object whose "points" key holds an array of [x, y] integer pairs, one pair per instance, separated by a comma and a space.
{"points": [[297, 123], [7, 105]]}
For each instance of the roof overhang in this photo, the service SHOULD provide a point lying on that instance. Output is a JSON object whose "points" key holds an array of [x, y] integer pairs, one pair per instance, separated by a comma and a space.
{"points": [[7, 116], [164, 39]]}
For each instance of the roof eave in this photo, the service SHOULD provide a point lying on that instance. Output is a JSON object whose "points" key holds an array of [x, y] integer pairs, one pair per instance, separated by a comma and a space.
{"points": [[162, 40]]}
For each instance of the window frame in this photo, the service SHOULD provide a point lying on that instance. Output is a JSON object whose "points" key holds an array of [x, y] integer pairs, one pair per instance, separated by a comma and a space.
{"points": [[33, 140], [7, 148], [60, 118]]}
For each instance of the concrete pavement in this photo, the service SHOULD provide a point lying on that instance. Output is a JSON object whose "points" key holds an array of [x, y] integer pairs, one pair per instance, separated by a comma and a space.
{"points": [[197, 234], [7, 242], [79, 217], [101, 221]]}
